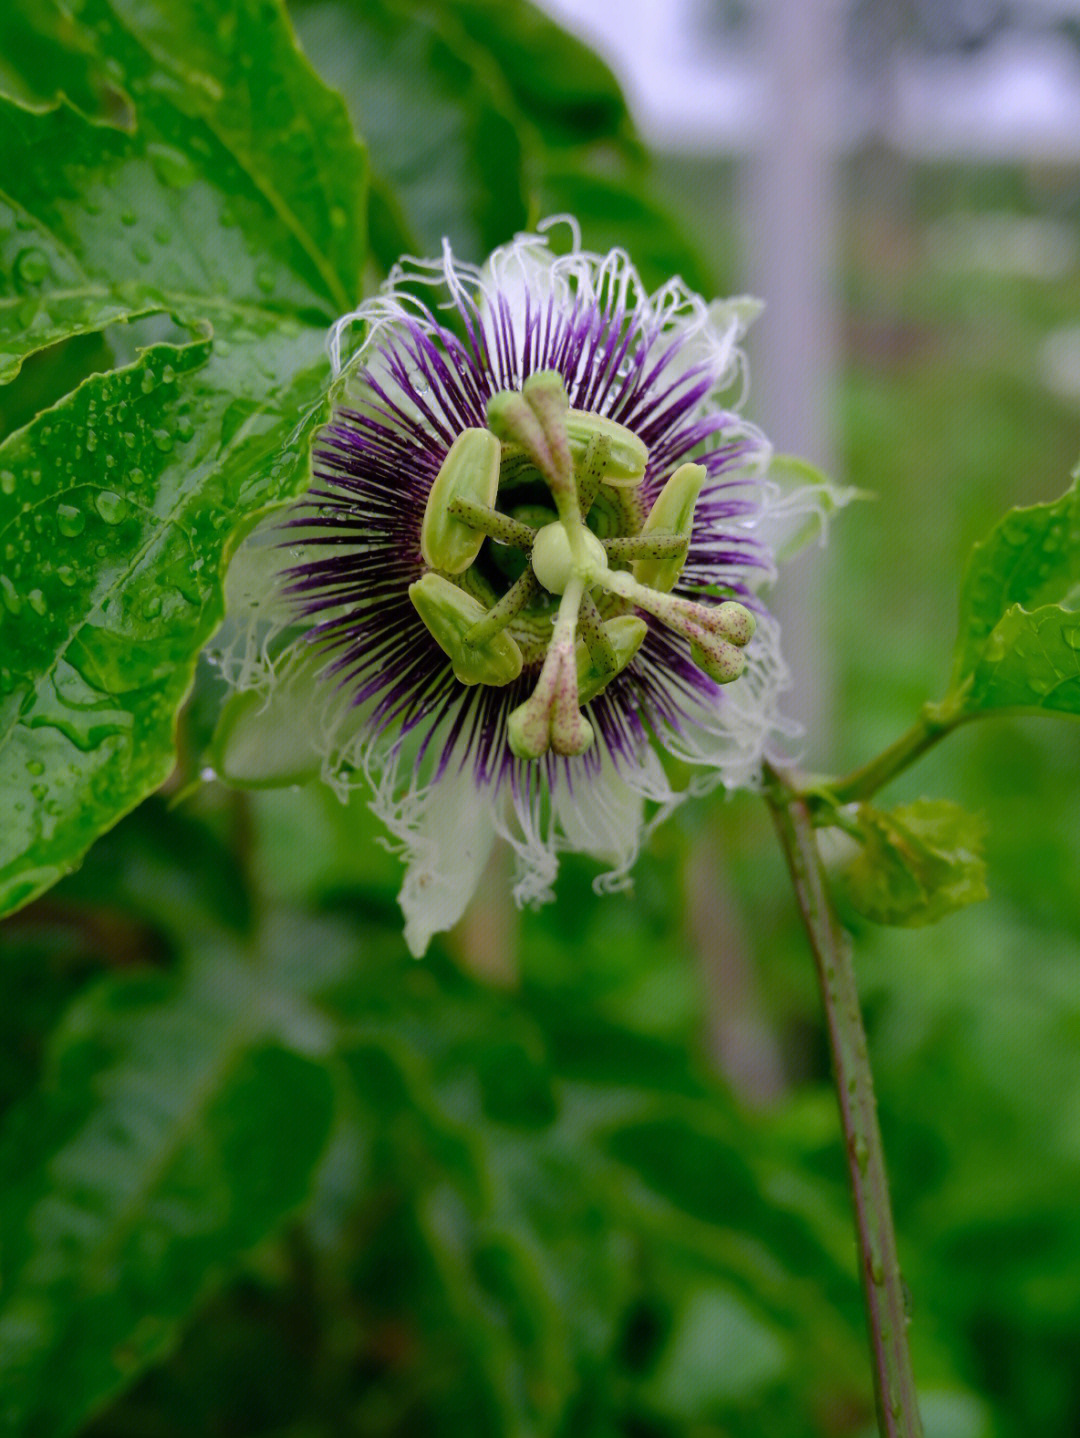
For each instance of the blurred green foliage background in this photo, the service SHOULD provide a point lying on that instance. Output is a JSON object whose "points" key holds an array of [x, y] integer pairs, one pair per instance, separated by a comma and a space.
{"points": [[577, 1172]]}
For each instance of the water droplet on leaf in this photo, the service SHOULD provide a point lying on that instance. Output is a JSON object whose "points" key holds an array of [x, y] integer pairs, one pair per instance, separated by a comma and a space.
{"points": [[112, 507], [69, 520], [31, 266], [172, 167]]}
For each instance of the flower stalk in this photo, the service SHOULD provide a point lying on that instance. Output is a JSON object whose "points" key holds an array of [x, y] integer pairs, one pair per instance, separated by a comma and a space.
{"points": [[883, 1288]]}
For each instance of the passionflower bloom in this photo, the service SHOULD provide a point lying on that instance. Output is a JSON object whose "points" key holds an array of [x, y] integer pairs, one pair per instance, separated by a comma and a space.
{"points": [[530, 559]]}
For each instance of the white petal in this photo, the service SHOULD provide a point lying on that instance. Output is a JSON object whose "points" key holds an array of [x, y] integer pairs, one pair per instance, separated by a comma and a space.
{"points": [[446, 830]]}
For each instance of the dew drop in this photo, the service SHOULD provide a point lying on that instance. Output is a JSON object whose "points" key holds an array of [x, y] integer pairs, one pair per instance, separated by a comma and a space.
{"points": [[149, 381], [168, 374], [264, 278], [35, 766], [152, 607], [172, 167], [995, 649], [141, 252], [31, 266], [163, 440], [69, 520], [12, 602], [162, 235], [184, 429], [66, 575], [39, 791], [91, 440], [37, 603], [135, 476], [7, 482], [112, 507], [128, 217]]}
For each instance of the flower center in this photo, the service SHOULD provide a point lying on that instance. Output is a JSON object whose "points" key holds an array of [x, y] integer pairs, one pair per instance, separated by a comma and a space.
{"points": [[572, 528]]}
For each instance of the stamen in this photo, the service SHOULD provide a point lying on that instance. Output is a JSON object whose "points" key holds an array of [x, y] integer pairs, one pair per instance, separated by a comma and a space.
{"points": [[624, 635], [449, 615], [492, 522], [469, 472], [672, 513], [520, 594], [627, 456]]}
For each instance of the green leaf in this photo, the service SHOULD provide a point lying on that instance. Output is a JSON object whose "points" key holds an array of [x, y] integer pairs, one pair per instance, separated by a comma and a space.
{"points": [[720, 1353], [565, 89], [1019, 639], [118, 505], [174, 1131], [1030, 661], [438, 121], [213, 208], [225, 198], [919, 862]]}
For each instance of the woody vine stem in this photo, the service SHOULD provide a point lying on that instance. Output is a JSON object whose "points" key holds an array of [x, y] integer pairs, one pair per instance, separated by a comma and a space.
{"points": [[883, 1290]]}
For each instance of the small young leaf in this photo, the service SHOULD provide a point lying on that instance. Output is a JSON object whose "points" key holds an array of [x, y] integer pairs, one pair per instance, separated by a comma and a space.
{"points": [[919, 862], [1031, 660], [1019, 629]]}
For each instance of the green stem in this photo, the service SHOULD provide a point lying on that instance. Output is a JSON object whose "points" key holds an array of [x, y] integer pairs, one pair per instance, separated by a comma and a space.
{"points": [[935, 721], [883, 1289]]}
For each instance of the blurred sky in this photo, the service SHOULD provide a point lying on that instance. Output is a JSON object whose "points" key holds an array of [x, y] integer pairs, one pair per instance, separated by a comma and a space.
{"points": [[993, 80]]}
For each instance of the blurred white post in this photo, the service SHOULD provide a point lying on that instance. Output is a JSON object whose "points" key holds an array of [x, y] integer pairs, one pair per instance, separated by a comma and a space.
{"points": [[793, 196]]}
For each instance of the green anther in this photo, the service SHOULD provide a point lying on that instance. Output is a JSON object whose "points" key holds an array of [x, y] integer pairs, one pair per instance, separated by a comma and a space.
{"points": [[625, 634], [449, 614], [469, 472], [628, 457], [671, 514]]}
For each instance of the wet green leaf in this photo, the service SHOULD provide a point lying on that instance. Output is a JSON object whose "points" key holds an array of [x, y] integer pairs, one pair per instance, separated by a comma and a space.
{"points": [[919, 862], [222, 204], [240, 190], [1019, 639], [174, 1130], [122, 502]]}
